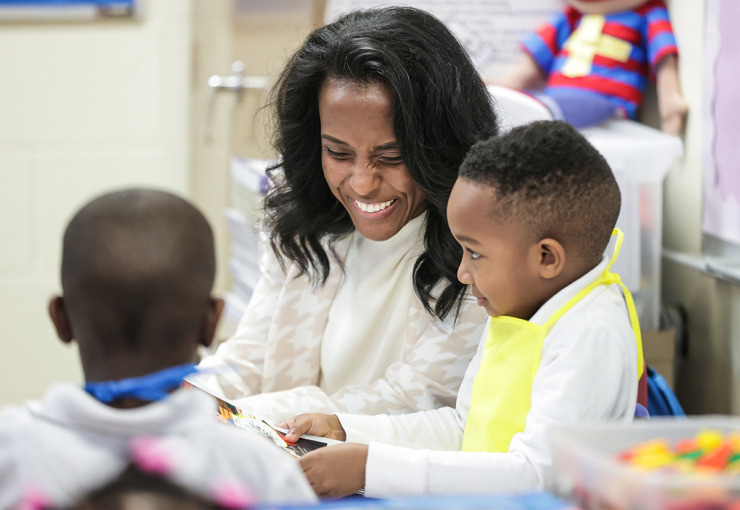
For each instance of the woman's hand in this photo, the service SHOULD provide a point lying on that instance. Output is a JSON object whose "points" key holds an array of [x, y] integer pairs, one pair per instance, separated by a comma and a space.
{"points": [[336, 471], [316, 424]]}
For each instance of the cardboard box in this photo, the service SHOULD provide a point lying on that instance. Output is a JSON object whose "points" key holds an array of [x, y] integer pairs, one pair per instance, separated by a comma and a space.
{"points": [[659, 349]]}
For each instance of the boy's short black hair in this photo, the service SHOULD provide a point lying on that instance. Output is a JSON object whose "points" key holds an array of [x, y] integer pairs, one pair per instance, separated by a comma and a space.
{"points": [[138, 262], [547, 176]]}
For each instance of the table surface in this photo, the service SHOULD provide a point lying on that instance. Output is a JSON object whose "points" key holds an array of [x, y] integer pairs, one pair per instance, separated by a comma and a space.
{"points": [[528, 501]]}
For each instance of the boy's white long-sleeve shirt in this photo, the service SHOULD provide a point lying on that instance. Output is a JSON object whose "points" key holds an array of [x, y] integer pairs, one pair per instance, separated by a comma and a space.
{"points": [[587, 373]]}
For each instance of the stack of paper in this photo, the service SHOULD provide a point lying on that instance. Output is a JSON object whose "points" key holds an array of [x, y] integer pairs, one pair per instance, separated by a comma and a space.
{"points": [[249, 184]]}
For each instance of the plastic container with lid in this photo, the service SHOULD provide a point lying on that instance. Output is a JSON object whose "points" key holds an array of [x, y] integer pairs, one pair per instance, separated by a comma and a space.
{"points": [[588, 473], [640, 157]]}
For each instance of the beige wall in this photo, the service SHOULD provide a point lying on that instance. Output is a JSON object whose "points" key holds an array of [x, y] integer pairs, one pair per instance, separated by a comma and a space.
{"points": [[94, 105], [708, 379], [261, 34], [84, 107]]}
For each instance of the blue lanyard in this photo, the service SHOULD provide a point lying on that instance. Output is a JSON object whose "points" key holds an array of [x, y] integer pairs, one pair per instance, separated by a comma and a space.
{"points": [[150, 387]]}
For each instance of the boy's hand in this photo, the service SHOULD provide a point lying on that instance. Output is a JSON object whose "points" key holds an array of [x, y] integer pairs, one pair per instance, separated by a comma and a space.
{"points": [[316, 424], [336, 471]]}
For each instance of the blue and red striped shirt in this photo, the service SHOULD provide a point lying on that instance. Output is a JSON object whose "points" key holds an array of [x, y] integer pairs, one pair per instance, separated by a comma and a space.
{"points": [[648, 31]]}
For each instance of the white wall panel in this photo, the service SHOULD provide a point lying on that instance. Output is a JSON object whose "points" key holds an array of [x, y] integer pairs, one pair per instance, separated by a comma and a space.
{"points": [[85, 107]]}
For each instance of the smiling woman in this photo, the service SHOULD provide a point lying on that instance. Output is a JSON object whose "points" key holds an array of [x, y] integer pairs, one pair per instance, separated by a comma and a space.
{"points": [[359, 308], [362, 161]]}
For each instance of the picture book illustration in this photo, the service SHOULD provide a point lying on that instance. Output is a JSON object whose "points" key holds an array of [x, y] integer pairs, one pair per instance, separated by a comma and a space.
{"points": [[229, 413]]}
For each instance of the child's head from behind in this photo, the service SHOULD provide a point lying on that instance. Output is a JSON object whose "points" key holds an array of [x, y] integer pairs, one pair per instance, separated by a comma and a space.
{"points": [[138, 490], [137, 270], [533, 210]]}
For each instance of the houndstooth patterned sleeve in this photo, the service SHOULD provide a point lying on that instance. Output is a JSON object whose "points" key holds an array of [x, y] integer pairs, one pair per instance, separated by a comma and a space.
{"points": [[277, 344], [235, 369], [429, 375]]}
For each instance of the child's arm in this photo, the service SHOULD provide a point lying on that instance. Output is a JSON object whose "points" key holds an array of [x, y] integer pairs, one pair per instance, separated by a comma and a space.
{"points": [[440, 429], [588, 372], [336, 471], [339, 470]]}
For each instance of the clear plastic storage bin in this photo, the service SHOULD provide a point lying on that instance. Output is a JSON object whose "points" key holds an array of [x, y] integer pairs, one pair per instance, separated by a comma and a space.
{"points": [[249, 183], [640, 158], [588, 473]]}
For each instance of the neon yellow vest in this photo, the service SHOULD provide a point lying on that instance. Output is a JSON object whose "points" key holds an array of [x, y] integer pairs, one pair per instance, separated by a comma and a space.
{"points": [[502, 387]]}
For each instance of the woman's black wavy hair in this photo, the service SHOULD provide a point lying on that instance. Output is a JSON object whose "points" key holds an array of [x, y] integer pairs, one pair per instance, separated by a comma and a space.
{"points": [[441, 107]]}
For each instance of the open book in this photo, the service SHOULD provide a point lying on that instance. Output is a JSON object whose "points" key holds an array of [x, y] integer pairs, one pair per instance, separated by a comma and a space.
{"points": [[229, 413]]}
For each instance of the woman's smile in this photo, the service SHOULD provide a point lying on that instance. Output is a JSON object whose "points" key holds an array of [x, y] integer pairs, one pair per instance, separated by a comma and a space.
{"points": [[374, 208]]}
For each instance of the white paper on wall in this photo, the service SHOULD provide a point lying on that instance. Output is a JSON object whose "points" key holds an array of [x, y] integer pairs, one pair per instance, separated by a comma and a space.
{"points": [[721, 121], [489, 29]]}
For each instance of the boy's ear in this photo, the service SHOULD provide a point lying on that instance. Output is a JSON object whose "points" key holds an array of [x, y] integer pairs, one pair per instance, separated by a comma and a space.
{"points": [[551, 258], [60, 319], [215, 308]]}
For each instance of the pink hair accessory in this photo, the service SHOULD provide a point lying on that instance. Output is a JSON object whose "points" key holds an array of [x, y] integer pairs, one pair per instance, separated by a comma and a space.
{"points": [[228, 494], [151, 456], [33, 499]]}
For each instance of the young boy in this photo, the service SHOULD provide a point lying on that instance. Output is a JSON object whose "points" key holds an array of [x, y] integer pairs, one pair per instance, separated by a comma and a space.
{"points": [[533, 210], [137, 270]]}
